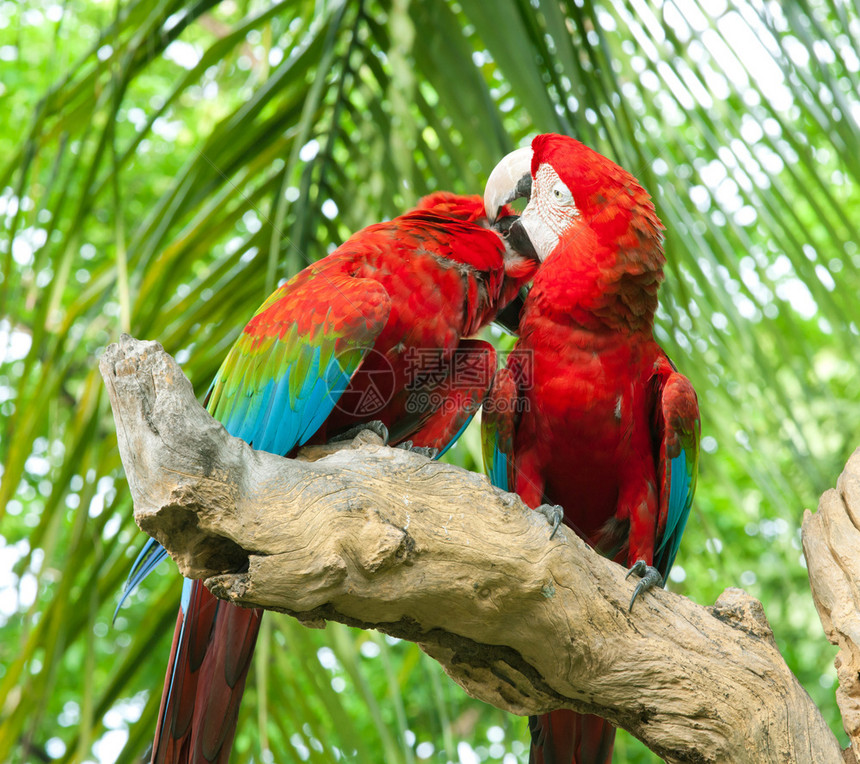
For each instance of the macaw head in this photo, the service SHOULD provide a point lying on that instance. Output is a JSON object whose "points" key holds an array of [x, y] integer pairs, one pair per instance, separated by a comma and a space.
{"points": [[571, 188], [520, 259], [593, 228]]}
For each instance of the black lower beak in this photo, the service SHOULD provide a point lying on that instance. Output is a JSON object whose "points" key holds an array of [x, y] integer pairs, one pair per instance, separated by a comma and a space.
{"points": [[514, 233]]}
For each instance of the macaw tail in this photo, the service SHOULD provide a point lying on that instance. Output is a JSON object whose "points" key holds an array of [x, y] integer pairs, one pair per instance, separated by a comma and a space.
{"points": [[212, 648], [565, 737]]}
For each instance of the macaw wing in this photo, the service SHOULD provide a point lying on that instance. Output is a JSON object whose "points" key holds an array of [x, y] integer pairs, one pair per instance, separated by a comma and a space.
{"points": [[291, 364], [498, 425], [677, 431], [437, 409]]}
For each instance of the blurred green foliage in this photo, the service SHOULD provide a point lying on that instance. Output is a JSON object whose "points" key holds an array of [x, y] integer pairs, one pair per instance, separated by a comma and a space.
{"points": [[163, 164]]}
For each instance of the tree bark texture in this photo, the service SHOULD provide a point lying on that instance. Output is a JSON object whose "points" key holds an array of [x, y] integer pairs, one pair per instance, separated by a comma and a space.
{"points": [[831, 543], [383, 538]]}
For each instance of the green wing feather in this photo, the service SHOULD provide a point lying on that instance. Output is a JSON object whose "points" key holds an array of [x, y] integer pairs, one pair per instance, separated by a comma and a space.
{"points": [[287, 370]]}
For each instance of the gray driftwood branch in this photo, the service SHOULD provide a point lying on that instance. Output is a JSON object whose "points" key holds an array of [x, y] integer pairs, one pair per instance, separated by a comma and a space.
{"points": [[382, 538]]}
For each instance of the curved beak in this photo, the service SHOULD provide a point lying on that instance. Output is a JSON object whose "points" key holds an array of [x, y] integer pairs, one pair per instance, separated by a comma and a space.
{"points": [[510, 179]]}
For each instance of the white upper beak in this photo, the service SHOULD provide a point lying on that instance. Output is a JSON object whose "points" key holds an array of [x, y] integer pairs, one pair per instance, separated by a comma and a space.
{"points": [[509, 180]]}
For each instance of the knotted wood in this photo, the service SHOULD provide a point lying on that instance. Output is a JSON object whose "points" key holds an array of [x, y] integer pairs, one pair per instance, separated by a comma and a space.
{"points": [[383, 538]]}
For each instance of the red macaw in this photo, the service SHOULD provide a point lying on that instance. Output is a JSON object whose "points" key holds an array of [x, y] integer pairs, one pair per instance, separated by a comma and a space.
{"points": [[590, 416], [374, 332]]}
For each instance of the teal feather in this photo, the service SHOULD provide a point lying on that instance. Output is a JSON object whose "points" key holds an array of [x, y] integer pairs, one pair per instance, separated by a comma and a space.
{"points": [[681, 487], [497, 431]]}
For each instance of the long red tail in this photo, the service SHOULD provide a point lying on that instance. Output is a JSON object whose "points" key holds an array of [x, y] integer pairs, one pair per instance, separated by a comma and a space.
{"points": [[212, 648], [565, 737]]}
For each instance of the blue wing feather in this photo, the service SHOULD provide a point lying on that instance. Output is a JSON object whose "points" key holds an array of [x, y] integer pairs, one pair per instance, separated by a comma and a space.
{"points": [[497, 468], [150, 555], [323, 398]]}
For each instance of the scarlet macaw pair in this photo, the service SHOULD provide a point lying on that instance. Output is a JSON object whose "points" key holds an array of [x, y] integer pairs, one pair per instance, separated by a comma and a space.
{"points": [[606, 429]]}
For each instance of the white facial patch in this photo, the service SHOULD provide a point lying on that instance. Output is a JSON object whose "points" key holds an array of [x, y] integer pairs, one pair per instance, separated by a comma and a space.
{"points": [[550, 212]]}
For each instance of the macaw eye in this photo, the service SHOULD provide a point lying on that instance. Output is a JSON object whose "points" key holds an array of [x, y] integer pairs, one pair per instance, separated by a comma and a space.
{"points": [[561, 193]]}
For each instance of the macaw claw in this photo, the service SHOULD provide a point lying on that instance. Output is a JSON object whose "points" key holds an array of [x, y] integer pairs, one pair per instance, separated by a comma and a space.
{"points": [[554, 515], [429, 451], [650, 577], [374, 426]]}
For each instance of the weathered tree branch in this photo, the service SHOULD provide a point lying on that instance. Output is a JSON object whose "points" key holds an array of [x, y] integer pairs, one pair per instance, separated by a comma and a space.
{"points": [[382, 538], [831, 543]]}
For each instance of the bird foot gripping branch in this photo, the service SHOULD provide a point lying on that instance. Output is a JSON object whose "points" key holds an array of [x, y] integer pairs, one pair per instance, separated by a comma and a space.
{"points": [[554, 514], [649, 578]]}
